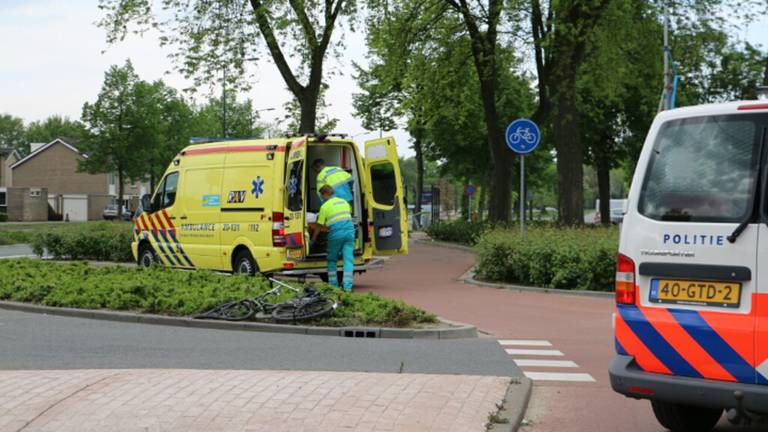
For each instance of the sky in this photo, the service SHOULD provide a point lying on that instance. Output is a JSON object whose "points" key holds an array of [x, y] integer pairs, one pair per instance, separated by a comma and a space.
{"points": [[54, 59]]}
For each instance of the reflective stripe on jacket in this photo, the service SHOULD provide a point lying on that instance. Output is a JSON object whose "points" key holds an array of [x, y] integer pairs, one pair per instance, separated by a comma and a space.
{"points": [[332, 176], [333, 211]]}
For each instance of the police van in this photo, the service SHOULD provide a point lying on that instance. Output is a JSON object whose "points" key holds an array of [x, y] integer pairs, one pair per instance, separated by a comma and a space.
{"points": [[691, 325], [247, 206]]}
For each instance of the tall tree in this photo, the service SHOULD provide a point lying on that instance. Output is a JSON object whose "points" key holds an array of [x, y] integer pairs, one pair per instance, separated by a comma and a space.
{"points": [[12, 133], [242, 120], [114, 142], [218, 37]]}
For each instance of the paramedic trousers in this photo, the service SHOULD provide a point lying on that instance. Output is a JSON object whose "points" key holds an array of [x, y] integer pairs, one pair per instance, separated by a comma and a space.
{"points": [[341, 240]]}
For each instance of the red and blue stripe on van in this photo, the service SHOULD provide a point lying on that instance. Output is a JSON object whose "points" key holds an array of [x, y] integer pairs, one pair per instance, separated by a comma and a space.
{"points": [[158, 226], [701, 344]]}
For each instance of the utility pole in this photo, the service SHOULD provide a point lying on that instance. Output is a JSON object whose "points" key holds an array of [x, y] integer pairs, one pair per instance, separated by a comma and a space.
{"points": [[224, 101], [664, 104]]}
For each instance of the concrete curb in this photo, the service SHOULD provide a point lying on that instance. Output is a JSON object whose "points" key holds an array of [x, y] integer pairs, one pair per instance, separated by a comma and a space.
{"points": [[469, 277], [512, 411], [456, 331]]}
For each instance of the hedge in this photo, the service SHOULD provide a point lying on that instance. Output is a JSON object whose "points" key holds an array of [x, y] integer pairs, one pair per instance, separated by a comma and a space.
{"points": [[99, 241], [564, 258], [457, 231], [171, 292]]}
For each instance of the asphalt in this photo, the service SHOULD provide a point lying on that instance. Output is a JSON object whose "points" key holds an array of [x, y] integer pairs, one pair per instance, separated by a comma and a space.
{"points": [[16, 251], [36, 341]]}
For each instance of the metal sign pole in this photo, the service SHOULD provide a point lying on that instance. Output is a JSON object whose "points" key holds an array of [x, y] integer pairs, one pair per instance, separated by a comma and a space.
{"points": [[522, 197]]}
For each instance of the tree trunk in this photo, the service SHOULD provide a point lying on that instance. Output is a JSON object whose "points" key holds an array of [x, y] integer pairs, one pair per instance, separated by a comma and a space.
{"points": [[604, 192], [308, 104], [120, 192], [570, 151], [419, 181], [501, 157]]}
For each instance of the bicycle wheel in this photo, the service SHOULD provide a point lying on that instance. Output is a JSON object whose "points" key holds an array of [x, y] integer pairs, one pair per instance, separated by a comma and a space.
{"points": [[239, 310], [298, 312]]}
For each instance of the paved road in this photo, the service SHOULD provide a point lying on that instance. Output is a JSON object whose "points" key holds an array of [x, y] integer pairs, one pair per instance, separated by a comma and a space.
{"points": [[15, 251], [578, 327], [35, 341]]}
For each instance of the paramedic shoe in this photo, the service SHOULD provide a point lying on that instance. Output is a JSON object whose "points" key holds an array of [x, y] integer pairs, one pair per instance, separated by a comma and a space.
{"points": [[348, 289]]}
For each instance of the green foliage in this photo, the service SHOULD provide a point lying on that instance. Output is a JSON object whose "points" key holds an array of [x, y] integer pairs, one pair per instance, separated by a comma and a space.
{"points": [[457, 231], [12, 133], [55, 127], [572, 258], [163, 291], [99, 241]]}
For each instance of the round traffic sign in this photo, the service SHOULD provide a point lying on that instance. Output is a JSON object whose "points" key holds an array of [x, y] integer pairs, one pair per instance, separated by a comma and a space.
{"points": [[523, 136], [469, 189]]}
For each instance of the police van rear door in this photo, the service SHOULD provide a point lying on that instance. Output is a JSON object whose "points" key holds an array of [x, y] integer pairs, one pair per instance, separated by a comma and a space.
{"points": [[296, 241], [696, 273], [385, 197]]}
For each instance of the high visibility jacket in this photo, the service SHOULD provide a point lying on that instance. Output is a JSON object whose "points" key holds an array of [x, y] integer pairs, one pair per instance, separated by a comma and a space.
{"points": [[334, 211], [332, 176]]}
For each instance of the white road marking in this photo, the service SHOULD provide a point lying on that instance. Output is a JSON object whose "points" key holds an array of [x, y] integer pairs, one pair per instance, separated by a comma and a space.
{"points": [[548, 353], [524, 342], [559, 376], [546, 363]]}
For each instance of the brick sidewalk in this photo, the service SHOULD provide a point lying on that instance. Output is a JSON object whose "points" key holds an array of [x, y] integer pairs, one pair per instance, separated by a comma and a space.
{"points": [[202, 400]]}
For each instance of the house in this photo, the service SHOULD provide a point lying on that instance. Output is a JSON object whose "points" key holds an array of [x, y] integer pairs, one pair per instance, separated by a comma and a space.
{"points": [[76, 196], [8, 157]]}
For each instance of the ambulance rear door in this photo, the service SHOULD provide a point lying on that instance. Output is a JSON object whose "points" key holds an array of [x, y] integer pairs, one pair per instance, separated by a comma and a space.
{"points": [[385, 197], [296, 241]]}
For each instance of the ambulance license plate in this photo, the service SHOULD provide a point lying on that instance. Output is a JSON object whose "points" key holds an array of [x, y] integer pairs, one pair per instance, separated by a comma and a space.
{"points": [[294, 253], [696, 293]]}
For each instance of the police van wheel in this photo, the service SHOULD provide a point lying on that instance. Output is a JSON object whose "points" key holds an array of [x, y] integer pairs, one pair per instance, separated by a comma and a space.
{"points": [[147, 256], [244, 264], [685, 418]]}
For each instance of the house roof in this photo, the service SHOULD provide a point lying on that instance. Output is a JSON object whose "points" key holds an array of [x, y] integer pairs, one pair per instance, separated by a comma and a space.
{"points": [[7, 151], [47, 146]]}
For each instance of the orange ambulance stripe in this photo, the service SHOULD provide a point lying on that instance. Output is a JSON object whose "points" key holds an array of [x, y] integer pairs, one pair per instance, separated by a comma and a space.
{"points": [[736, 330], [143, 222], [636, 348], [168, 220], [152, 222], [159, 221], [685, 345]]}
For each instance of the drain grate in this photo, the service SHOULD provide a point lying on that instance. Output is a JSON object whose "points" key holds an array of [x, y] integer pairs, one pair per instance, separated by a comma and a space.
{"points": [[360, 333]]}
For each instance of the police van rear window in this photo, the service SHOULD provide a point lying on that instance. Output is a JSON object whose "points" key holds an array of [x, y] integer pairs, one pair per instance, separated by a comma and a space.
{"points": [[702, 169]]}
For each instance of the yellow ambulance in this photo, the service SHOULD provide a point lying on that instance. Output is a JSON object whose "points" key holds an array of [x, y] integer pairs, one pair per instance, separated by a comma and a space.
{"points": [[246, 206]]}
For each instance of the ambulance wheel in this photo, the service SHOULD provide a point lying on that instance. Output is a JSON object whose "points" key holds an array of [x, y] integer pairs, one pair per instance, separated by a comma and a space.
{"points": [[685, 418], [147, 256], [339, 276], [244, 264]]}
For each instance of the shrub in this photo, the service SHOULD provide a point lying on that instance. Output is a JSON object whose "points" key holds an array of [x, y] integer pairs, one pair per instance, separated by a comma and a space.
{"points": [[565, 258], [164, 291], [101, 241], [457, 231]]}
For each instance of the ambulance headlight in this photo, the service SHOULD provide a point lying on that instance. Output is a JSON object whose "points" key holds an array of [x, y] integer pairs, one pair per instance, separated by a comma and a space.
{"points": [[385, 232]]}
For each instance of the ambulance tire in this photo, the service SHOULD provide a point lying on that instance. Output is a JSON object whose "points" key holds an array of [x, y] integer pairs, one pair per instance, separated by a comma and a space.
{"points": [[339, 276], [685, 418], [245, 264], [147, 256]]}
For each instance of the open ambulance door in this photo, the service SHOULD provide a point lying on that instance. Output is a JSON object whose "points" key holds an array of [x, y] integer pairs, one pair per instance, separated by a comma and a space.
{"points": [[296, 241], [385, 197]]}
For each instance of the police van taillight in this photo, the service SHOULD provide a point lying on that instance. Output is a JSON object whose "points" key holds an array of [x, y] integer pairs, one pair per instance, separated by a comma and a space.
{"points": [[625, 280], [278, 230]]}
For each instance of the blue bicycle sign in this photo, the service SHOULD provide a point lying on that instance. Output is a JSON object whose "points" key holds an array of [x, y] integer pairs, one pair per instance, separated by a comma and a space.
{"points": [[523, 136]]}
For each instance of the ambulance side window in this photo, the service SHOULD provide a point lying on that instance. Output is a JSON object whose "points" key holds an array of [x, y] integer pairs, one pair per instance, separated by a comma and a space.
{"points": [[166, 193], [294, 187]]}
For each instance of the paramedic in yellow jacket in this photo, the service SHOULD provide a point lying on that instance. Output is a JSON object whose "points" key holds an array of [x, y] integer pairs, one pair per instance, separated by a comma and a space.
{"points": [[336, 215], [335, 177]]}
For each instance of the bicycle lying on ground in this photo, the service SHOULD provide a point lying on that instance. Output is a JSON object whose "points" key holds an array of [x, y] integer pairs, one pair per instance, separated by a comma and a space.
{"points": [[310, 304]]}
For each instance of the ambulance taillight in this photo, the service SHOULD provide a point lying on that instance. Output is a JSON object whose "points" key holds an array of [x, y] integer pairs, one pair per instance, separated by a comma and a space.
{"points": [[625, 280], [278, 230]]}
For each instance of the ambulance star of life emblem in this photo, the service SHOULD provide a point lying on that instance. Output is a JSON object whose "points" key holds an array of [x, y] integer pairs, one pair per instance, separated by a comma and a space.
{"points": [[258, 187], [293, 186]]}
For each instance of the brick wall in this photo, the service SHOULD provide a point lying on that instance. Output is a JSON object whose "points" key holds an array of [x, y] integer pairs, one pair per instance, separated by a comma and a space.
{"points": [[55, 168]]}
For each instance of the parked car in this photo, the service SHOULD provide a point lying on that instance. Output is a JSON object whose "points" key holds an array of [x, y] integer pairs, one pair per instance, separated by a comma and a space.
{"points": [[110, 212], [617, 211]]}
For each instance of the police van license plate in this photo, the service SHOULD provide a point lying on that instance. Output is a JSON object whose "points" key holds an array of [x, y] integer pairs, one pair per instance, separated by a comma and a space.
{"points": [[697, 293]]}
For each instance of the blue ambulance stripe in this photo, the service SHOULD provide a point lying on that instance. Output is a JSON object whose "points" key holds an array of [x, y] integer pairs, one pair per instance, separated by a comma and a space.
{"points": [[181, 250], [655, 342], [170, 248], [714, 344], [146, 237], [620, 349], [160, 246]]}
